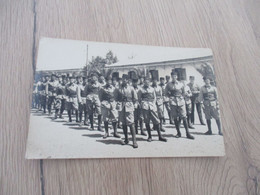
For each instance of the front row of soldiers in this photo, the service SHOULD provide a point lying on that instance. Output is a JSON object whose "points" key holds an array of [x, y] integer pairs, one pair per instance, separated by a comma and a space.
{"points": [[128, 102]]}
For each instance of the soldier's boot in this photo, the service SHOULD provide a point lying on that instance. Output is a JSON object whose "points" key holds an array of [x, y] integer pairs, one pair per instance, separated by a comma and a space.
{"points": [[185, 124], [141, 127], [132, 129], [148, 128], [106, 130], [114, 124], [126, 141], [161, 125], [161, 138], [176, 123], [136, 126], [164, 121], [209, 132], [189, 122], [56, 113], [91, 120], [99, 123], [77, 115], [201, 119], [69, 114], [219, 127]]}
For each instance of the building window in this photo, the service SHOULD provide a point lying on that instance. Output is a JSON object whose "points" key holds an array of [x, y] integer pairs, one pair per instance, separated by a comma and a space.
{"points": [[181, 72], [154, 74]]}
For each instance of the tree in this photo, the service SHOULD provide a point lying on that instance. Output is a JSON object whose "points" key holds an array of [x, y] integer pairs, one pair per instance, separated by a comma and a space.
{"points": [[98, 63]]}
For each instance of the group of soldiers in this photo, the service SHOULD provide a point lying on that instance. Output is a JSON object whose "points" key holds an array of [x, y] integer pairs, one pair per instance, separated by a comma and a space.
{"points": [[128, 103]]}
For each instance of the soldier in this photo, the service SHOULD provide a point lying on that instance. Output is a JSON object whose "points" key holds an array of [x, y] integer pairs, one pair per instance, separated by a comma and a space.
{"points": [[187, 98], [195, 89], [93, 101], [39, 92], [175, 91], [141, 80], [168, 78], [102, 81], [82, 99], [147, 99], [209, 96], [44, 96], [51, 91], [165, 100], [115, 83], [127, 98], [138, 110], [72, 97], [108, 94], [159, 102]]}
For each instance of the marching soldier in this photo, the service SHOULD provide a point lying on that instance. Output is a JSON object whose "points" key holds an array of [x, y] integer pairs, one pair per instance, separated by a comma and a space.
{"points": [[195, 89], [127, 98], [209, 96], [60, 98], [165, 100], [138, 110], [168, 79], [102, 81], [175, 91], [51, 91], [72, 97], [82, 99], [39, 91], [44, 96], [187, 98], [93, 101], [159, 102], [147, 99], [108, 94]]}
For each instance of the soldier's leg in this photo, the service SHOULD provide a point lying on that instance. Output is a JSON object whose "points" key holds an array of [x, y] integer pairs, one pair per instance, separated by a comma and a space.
{"points": [[216, 116], [168, 108], [57, 107], [89, 107], [148, 129], [136, 120], [155, 119], [141, 126], [182, 114], [208, 119], [98, 109], [198, 107], [160, 115], [114, 118], [146, 116], [62, 108], [174, 115], [106, 129], [189, 112], [219, 126], [126, 134], [192, 119], [50, 99]]}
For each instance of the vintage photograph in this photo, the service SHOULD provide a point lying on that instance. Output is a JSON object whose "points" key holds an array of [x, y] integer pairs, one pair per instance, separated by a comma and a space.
{"points": [[110, 100]]}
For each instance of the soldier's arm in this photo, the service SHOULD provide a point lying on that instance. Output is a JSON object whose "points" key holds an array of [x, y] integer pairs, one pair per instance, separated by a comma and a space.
{"points": [[79, 95], [46, 88], [167, 90], [200, 98]]}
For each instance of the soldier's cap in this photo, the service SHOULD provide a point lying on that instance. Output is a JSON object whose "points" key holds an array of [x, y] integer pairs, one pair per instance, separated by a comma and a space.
{"points": [[174, 73], [125, 76], [63, 75], [167, 76], [147, 78], [135, 80], [162, 78], [70, 75], [192, 77], [108, 78], [207, 77], [93, 74]]}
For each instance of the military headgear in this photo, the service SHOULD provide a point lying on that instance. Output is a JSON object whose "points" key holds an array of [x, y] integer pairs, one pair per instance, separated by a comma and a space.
{"points": [[192, 77], [125, 76], [161, 78], [147, 78], [207, 77], [108, 78], [174, 73], [167, 77]]}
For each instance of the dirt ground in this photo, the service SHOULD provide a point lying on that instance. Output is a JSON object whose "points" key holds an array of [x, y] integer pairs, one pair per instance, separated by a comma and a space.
{"points": [[51, 139]]}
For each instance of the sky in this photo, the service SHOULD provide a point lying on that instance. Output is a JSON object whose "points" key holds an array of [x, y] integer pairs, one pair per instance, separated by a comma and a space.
{"points": [[58, 54]]}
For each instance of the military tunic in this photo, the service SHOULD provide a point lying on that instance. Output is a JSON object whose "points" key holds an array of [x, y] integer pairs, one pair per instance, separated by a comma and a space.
{"points": [[159, 100], [175, 91], [108, 104], [209, 96], [127, 97], [147, 99], [72, 100], [138, 110], [187, 98], [92, 99]]}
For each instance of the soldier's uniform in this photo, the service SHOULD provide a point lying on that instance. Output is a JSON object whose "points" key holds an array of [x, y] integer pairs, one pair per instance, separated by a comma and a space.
{"points": [[72, 97], [82, 102], [108, 95], [187, 98], [175, 91], [209, 96], [44, 98], [159, 103], [51, 92], [147, 99], [138, 110], [60, 100], [195, 89], [39, 93], [93, 101], [127, 97]]}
